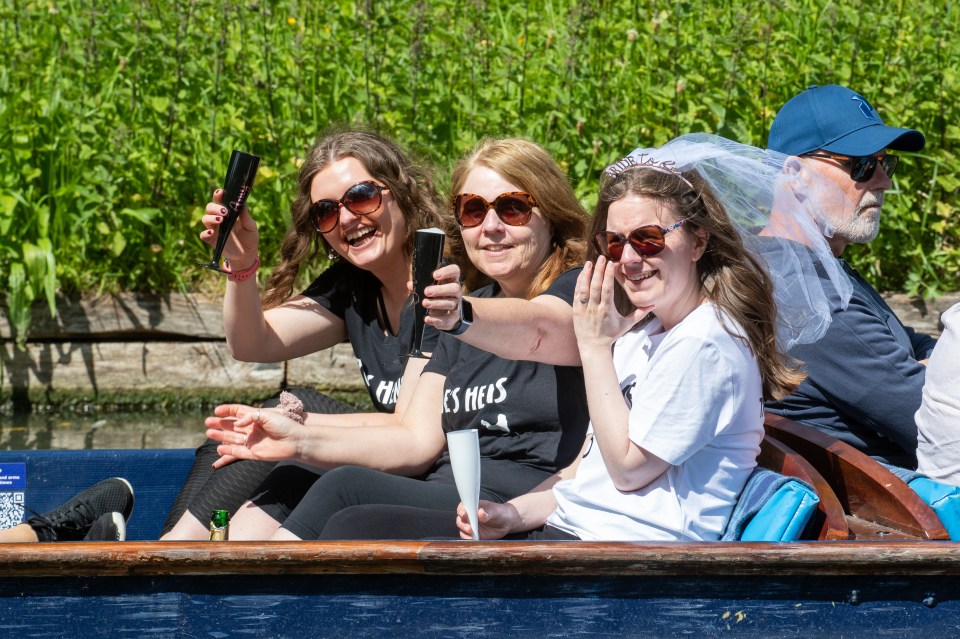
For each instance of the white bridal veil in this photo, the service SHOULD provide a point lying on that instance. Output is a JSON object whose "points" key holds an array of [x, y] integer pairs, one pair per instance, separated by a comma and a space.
{"points": [[776, 213]]}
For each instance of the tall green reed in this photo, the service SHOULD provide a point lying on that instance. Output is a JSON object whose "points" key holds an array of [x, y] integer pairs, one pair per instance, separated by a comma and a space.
{"points": [[116, 119]]}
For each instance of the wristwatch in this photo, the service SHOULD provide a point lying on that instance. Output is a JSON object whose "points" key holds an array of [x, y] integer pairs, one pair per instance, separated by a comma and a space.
{"points": [[466, 318]]}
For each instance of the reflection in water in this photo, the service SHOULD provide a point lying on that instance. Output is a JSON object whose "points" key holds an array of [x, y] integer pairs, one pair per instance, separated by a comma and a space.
{"points": [[108, 430]]}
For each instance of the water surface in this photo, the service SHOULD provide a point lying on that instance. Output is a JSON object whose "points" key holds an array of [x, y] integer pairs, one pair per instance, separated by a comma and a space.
{"points": [[107, 430]]}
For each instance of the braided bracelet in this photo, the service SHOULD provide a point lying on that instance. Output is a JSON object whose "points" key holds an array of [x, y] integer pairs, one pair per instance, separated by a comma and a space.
{"points": [[246, 273]]}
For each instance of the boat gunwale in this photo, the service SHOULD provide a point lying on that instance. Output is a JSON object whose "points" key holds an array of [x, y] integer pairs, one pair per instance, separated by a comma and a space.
{"points": [[579, 558]]}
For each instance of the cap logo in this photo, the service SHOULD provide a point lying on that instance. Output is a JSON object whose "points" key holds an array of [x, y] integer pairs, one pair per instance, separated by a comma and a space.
{"points": [[865, 108]]}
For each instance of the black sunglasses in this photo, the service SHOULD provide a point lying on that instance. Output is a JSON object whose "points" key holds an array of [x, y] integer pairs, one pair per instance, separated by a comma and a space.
{"points": [[861, 168], [363, 198], [514, 208], [646, 241]]}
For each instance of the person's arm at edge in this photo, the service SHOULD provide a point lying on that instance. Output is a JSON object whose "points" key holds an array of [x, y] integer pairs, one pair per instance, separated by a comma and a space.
{"points": [[922, 343]]}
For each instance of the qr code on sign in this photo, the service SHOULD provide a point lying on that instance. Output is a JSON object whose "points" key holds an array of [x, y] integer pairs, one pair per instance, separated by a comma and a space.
{"points": [[11, 509]]}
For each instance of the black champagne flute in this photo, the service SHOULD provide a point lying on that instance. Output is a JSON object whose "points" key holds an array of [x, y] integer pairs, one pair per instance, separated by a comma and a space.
{"points": [[427, 253], [236, 187]]}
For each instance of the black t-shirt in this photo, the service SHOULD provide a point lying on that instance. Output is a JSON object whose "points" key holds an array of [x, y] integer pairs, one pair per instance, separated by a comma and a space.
{"points": [[531, 417], [353, 295]]}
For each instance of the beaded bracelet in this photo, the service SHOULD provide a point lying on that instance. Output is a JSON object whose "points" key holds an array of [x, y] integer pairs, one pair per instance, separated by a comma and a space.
{"points": [[246, 273]]}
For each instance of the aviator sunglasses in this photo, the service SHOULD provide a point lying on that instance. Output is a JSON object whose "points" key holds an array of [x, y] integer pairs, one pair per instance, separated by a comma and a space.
{"points": [[363, 198], [513, 209], [646, 241], [861, 168]]}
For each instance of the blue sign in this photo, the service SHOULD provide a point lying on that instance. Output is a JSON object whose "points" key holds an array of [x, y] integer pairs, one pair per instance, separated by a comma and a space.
{"points": [[13, 476]]}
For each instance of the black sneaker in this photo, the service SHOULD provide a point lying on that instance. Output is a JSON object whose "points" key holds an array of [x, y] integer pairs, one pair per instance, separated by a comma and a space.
{"points": [[109, 527], [72, 520]]}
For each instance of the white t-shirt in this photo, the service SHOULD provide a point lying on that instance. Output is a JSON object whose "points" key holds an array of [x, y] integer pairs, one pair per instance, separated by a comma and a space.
{"points": [[695, 398], [938, 419]]}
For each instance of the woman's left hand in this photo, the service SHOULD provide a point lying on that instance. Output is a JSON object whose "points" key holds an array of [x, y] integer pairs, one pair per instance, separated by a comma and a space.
{"points": [[596, 320]]}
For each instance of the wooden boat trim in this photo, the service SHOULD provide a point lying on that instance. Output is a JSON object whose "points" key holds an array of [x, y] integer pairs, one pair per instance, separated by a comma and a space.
{"points": [[867, 490], [588, 559]]}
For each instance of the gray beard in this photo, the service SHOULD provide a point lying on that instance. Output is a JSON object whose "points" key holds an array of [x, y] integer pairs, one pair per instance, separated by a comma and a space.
{"points": [[860, 227]]}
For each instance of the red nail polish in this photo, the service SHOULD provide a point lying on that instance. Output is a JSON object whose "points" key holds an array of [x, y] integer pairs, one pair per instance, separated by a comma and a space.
{"points": [[223, 211]]}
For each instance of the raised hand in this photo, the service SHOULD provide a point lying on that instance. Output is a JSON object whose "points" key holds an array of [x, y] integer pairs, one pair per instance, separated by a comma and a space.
{"points": [[253, 433], [596, 320], [241, 247]]}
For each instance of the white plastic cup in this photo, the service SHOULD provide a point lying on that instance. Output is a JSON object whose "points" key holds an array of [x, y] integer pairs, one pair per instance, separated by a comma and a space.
{"points": [[464, 448]]}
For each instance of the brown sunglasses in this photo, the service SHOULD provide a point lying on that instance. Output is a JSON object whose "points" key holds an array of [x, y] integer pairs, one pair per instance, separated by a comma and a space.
{"points": [[513, 209], [363, 198]]}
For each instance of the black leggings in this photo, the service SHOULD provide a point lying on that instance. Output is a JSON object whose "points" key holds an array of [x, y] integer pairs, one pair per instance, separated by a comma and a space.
{"points": [[227, 488], [406, 522], [348, 486]]}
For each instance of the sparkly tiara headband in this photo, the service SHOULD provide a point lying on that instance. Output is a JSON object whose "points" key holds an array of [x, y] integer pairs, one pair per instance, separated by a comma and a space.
{"points": [[776, 215], [642, 159]]}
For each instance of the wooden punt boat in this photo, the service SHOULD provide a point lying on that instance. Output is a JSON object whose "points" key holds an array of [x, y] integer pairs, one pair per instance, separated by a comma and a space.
{"points": [[848, 583]]}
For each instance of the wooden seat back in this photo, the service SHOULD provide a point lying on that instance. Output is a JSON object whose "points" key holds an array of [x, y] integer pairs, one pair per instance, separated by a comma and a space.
{"points": [[868, 492], [829, 520]]}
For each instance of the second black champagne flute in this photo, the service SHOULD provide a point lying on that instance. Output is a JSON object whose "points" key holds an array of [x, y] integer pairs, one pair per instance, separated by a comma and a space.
{"points": [[427, 253], [236, 187]]}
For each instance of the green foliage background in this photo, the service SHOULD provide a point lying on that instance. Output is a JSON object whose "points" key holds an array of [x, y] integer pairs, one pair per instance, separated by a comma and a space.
{"points": [[117, 118]]}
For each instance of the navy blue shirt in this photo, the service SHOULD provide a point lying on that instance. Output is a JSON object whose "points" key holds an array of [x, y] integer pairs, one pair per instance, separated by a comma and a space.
{"points": [[864, 381]]}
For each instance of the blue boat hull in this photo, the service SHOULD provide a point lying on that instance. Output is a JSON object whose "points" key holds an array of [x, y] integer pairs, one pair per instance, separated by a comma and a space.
{"points": [[475, 607]]}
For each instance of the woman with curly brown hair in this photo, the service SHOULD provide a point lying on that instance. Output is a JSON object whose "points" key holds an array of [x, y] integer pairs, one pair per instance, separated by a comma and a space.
{"points": [[360, 199]]}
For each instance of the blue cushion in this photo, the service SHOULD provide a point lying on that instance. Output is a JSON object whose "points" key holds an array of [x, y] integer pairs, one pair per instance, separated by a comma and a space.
{"points": [[772, 507], [54, 476], [944, 499], [785, 516]]}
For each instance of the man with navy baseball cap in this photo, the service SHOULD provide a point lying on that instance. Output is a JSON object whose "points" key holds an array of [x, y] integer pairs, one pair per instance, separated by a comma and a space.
{"points": [[865, 376]]}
